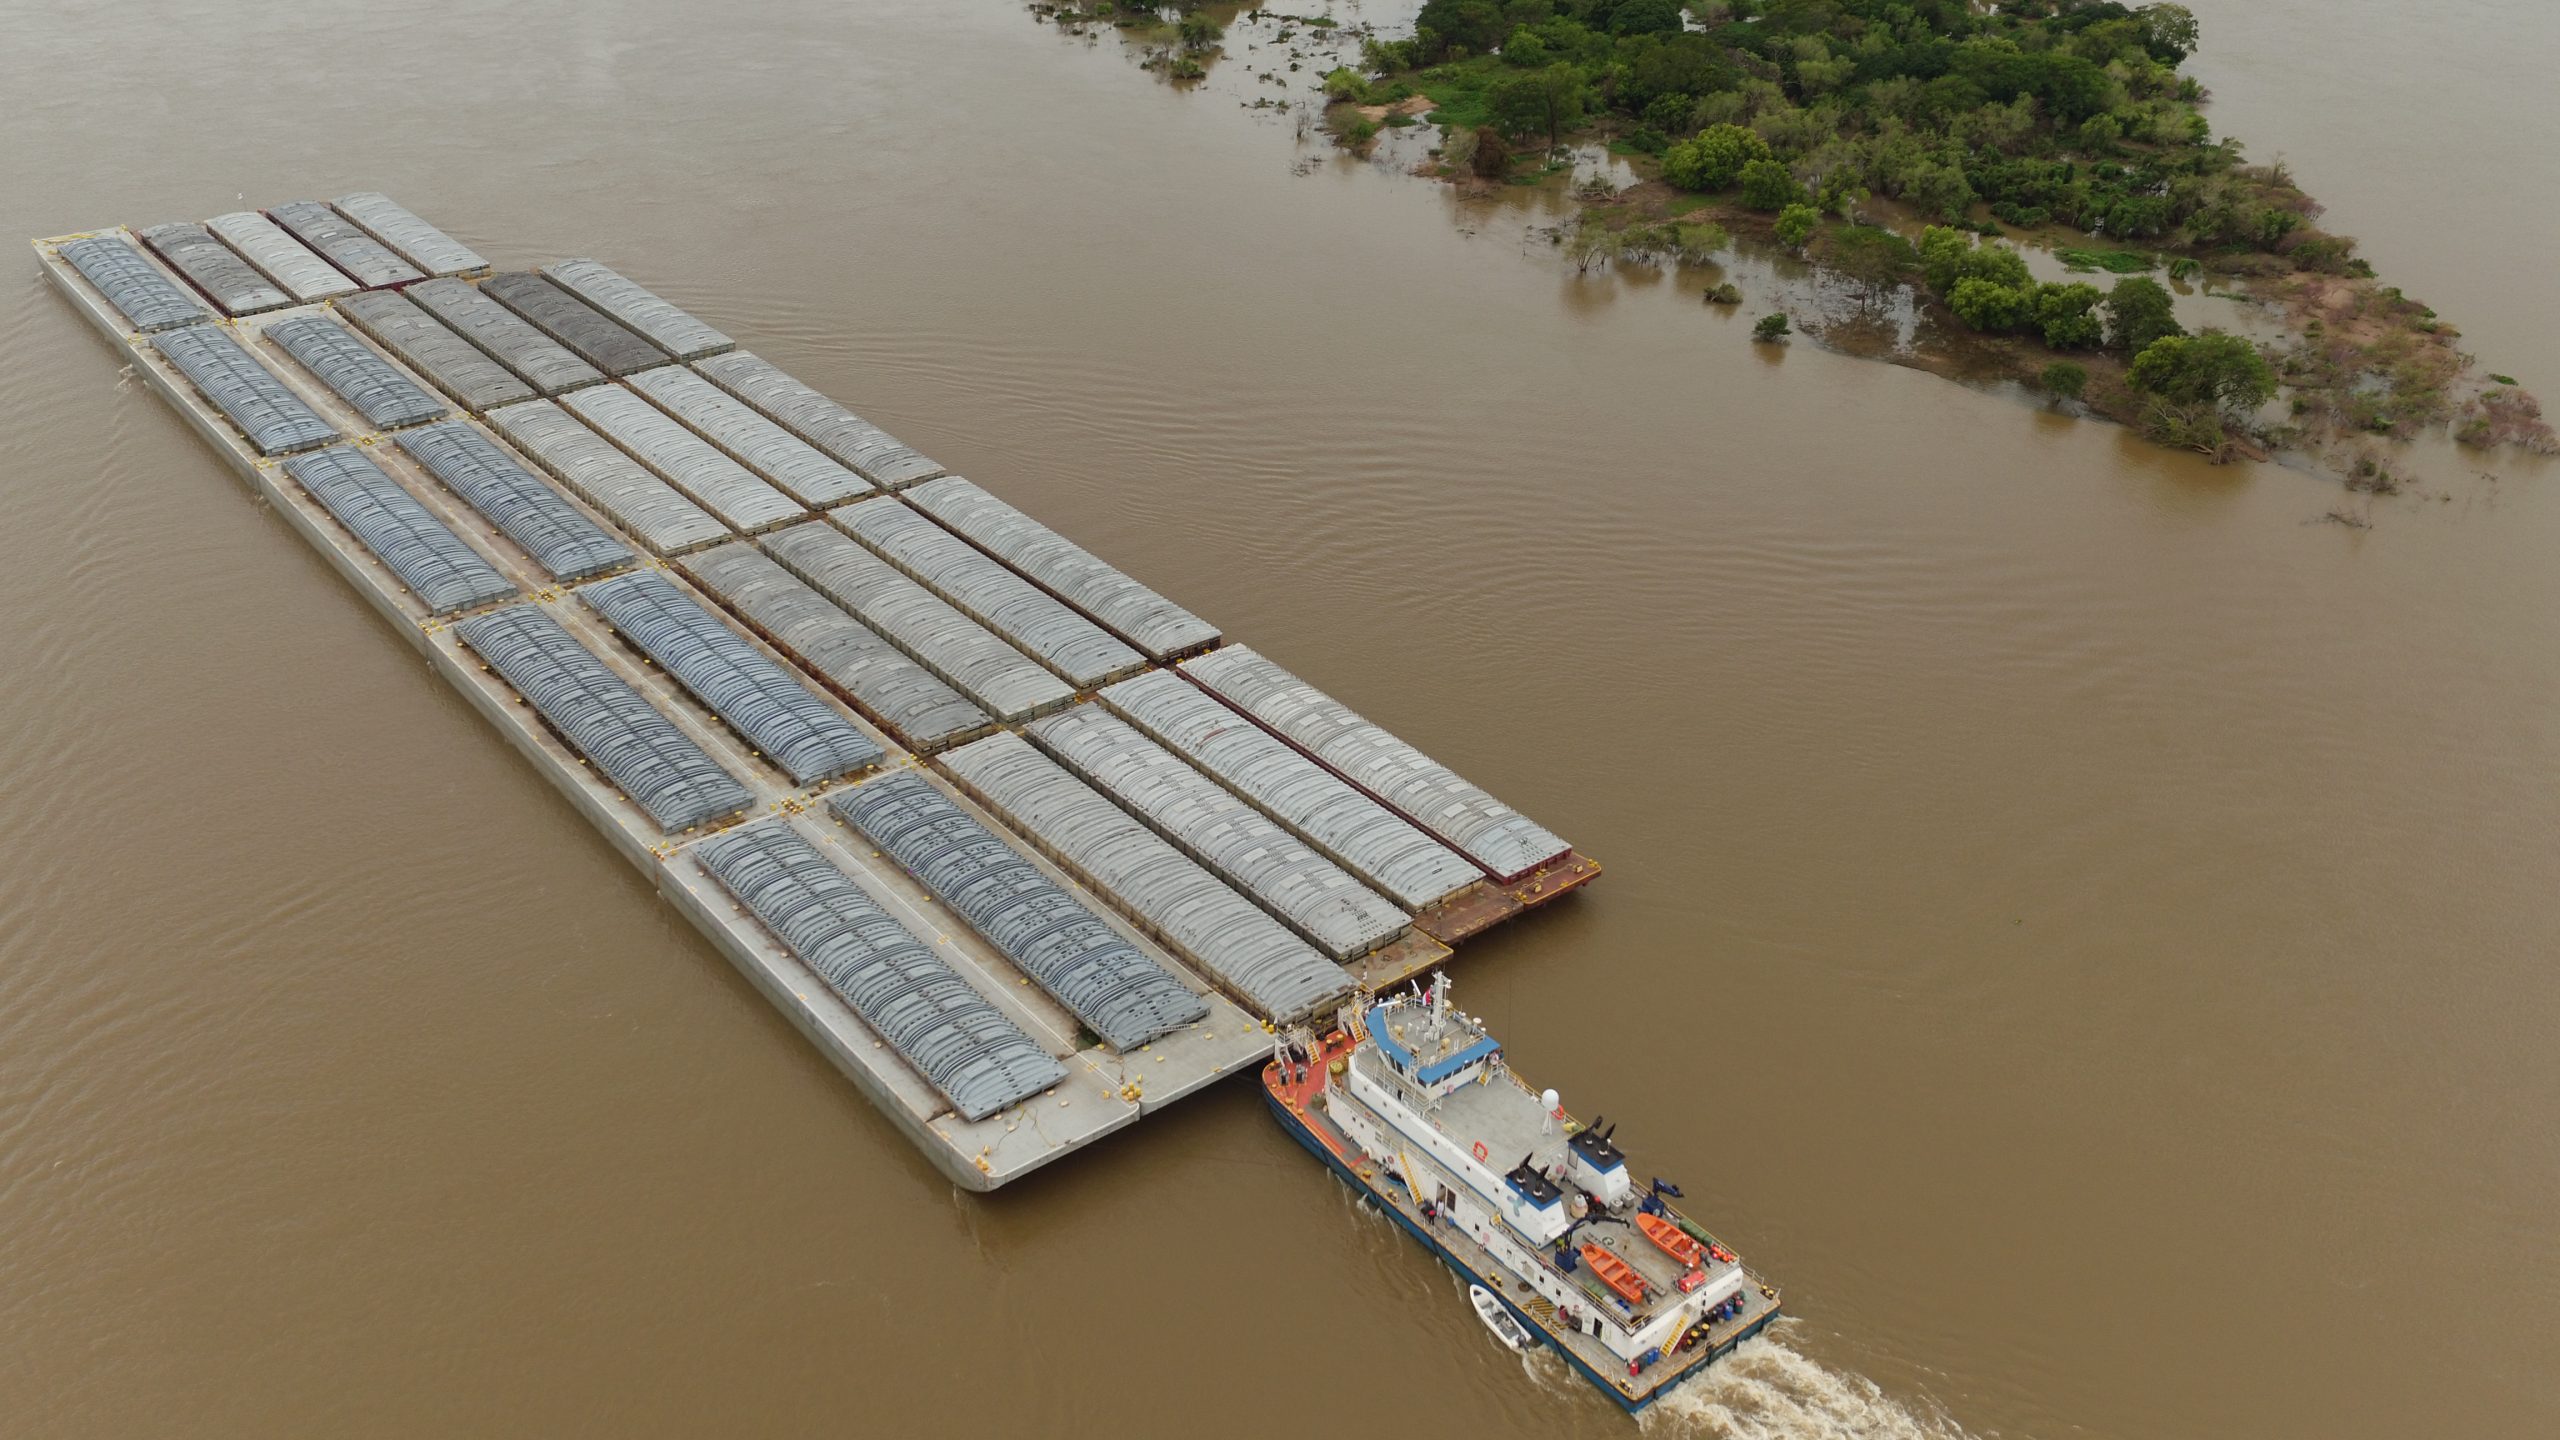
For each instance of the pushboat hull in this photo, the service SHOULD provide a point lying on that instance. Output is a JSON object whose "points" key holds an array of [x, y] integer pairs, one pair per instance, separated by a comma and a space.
{"points": [[1632, 1404]]}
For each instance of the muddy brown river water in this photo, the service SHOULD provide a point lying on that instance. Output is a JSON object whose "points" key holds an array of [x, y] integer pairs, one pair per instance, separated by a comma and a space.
{"points": [[2083, 923]]}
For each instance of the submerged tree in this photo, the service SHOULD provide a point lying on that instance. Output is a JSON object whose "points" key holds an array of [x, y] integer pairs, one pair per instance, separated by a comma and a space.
{"points": [[2139, 311], [1713, 158], [2214, 368], [1547, 101]]}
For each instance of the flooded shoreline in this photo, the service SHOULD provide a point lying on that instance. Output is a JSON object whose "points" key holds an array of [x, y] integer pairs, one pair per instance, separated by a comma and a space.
{"points": [[2373, 391]]}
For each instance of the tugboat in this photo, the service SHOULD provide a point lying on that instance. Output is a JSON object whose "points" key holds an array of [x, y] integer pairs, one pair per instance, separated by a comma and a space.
{"points": [[1410, 1102]]}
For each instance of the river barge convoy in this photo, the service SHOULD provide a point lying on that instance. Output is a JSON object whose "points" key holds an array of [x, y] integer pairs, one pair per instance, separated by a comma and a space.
{"points": [[1026, 849]]}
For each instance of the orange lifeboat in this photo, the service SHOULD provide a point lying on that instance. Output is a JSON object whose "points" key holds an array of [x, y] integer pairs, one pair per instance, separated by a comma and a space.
{"points": [[1615, 1273], [1670, 1239]]}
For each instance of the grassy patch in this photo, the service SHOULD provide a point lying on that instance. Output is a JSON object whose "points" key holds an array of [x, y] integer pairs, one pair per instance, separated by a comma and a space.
{"points": [[1459, 92], [1866, 253], [2116, 262]]}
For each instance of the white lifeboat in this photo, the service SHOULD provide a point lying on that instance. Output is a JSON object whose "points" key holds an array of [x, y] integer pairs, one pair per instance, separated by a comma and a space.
{"points": [[1498, 1318]]}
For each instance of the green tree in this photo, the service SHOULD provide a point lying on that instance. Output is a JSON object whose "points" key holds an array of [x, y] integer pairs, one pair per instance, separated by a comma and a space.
{"points": [[1770, 185], [1867, 254], [1840, 192], [1713, 158], [1199, 32], [2169, 32], [1948, 256], [1474, 25], [1647, 17], [1345, 84], [2068, 316], [1772, 328], [1796, 222], [2065, 379], [1989, 306], [1547, 101], [1938, 187], [2213, 369], [2139, 311], [1525, 49]]}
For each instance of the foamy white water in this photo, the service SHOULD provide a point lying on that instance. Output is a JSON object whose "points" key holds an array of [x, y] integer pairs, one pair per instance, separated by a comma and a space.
{"points": [[1767, 1391]]}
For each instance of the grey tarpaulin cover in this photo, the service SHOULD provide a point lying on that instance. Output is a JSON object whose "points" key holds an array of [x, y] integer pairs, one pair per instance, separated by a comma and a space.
{"points": [[234, 283], [602, 718], [271, 415], [557, 534], [598, 339], [540, 361], [1111, 985], [444, 573], [913, 702], [386, 398], [1202, 917], [761, 700], [820, 421], [980, 1060], [344, 244], [148, 299], [427, 345]]}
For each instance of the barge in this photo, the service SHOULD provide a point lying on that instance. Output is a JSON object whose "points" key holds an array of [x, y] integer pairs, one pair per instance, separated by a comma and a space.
{"points": [[796, 673]]}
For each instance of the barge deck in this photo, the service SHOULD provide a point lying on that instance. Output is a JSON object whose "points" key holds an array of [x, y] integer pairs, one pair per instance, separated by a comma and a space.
{"points": [[887, 643]]}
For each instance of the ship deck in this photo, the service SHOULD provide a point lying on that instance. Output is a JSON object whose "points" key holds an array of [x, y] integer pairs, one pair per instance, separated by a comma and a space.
{"points": [[1104, 1090], [1296, 1100]]}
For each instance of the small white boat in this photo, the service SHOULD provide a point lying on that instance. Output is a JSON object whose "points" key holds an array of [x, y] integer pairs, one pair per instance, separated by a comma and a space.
{"points": [[1505, 1326]]}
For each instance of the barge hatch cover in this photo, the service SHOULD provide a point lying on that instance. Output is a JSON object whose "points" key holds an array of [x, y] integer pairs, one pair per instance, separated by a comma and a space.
{"points": [[444, 573], [372, 386], [971, 658], [536, 358], [556, 534], [794, 465], [910, 702], [1361, 835], [1058, 565], [657, 321], [279, 256], [233, 283], [139, 290], [682, 459], [1113, 987], [1307, 892], [760, 700], [604, 719], [592, 335], [1079, 651], [972, 1053], [652, 510], [344, 245], [1256, 957], [444, 359], [1505, 842], [854, 441], [421, 244]]}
